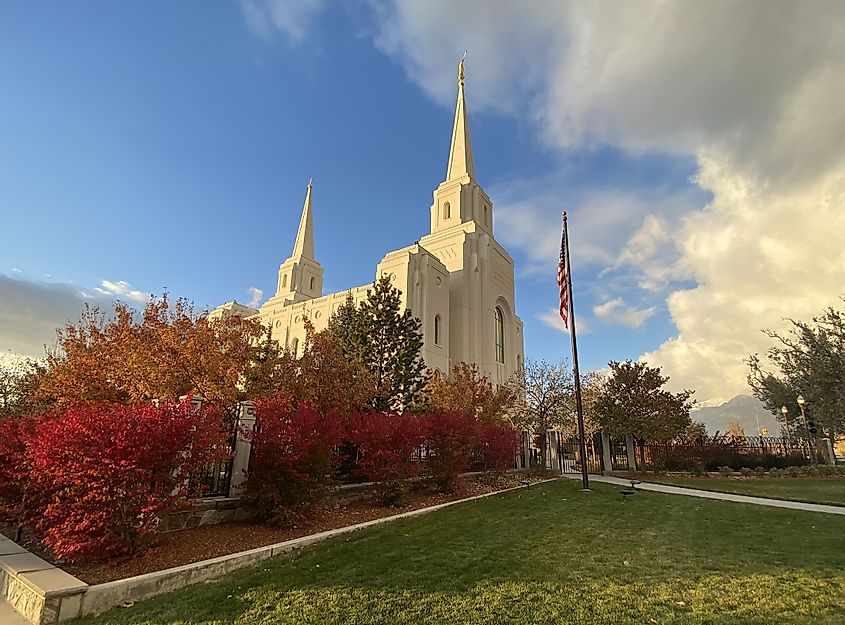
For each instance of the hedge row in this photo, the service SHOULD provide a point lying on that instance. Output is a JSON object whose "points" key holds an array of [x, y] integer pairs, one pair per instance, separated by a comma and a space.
{"points": [[297, 450], [93, 480], [714, 459]]}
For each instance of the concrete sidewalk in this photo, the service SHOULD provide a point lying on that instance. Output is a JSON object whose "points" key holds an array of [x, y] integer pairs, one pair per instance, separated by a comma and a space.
{"points": [[709, 494]]}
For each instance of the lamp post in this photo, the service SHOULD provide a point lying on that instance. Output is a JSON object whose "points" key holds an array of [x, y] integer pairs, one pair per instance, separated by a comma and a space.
{"points": [[801, 401], [785, 412]]}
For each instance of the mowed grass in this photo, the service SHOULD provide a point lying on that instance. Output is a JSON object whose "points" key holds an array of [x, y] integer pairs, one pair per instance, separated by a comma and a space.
{"points": [[830, 491], [551, 554]]}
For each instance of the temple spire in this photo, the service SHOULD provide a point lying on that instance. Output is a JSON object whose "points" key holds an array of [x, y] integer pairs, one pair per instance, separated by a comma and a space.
{"points": [[304, 245], [460, 154]]}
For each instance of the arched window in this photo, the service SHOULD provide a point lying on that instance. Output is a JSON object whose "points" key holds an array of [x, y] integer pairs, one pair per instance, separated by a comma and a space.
{"points": [[500, 336], [311, 283], [284, 280], [486, 216], [437, 329], [295, 346], [447, 211]]}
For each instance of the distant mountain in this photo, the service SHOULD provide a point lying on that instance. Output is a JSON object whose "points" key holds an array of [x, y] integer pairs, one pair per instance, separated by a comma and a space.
{"points": [[746, 409]]}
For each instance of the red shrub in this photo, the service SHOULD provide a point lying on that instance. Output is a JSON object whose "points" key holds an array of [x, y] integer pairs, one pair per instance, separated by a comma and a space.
{"points": [[450, 438], [386, 445], [14, 437], [105, 473], [292, 459], [500, 445]]}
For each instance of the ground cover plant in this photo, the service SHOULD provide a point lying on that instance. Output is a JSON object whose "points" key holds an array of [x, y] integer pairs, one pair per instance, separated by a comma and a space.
{"points": [[825, 491], [548, 554]]}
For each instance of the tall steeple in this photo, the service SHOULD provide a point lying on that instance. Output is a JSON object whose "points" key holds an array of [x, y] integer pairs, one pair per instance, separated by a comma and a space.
{"points": [[460, 154], [459, 199], [303, 247]]}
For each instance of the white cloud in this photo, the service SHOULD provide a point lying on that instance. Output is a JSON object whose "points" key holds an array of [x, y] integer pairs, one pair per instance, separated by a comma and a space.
{"points": [[293, 18], [758, 257], [31, 311], [255, 296], [124, 289], [616, 312], [752, 90], [551, 318]]}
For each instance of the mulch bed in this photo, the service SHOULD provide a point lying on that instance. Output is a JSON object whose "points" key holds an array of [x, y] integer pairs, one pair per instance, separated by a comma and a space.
{"points": [[210, 541]]}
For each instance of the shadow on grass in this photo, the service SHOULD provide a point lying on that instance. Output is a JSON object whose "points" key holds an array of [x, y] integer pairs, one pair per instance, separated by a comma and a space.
{"points": [[547, 554]]}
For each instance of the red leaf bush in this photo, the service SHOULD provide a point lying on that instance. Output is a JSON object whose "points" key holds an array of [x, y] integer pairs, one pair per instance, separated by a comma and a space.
{"points": [[387, 446], [292, 459], [14, 474], [500, 445], [450, 438], [103, 474]]}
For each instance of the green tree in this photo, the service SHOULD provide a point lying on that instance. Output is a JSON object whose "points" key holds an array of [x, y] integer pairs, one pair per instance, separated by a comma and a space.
{"points": [[633, 401], [546, 400], [18, 387], [347, 326], [809, 360], [387, 341]]}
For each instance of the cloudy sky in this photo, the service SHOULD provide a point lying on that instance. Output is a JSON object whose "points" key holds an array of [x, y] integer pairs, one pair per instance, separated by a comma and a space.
{"points": [[698, 146]]}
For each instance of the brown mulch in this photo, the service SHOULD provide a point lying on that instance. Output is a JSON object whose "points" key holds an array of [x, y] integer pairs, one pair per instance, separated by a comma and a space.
{"points": [[210, 541]]}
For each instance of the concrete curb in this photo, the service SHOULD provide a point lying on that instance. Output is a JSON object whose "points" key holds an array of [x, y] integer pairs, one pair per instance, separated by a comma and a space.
{"points": [[102, 597]]}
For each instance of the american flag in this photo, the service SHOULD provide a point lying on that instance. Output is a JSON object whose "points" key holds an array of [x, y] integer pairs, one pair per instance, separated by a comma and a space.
{"points": [[563, 279]]}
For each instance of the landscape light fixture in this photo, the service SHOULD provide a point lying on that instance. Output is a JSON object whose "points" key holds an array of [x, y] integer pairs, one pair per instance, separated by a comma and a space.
{"points": [[811, 427], [785, 412]]}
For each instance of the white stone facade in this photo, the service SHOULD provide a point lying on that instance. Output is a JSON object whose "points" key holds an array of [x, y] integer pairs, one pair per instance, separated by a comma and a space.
{"points": [[457, 280]]}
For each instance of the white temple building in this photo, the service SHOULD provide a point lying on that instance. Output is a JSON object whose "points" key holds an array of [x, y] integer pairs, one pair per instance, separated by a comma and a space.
{"points": [[457, 279]]}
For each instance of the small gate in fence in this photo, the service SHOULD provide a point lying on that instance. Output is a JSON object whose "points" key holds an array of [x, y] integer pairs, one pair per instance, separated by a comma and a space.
{"points": [[215, 479], [569, 454]]}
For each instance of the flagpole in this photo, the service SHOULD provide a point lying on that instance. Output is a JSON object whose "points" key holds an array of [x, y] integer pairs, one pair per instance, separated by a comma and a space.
{"points": [[585, 480]]}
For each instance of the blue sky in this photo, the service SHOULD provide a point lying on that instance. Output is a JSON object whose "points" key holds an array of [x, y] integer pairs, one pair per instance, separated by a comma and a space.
{"points": [[169, 145]]}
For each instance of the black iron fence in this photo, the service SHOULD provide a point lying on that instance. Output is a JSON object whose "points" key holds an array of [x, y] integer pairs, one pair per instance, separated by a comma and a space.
{"points": [[215, 479], [569, 454], [712, 453]]}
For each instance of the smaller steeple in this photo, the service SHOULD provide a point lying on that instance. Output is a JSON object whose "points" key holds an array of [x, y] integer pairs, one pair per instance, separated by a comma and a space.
{"points": [[303, 247], [300, 276], [460, 154]]}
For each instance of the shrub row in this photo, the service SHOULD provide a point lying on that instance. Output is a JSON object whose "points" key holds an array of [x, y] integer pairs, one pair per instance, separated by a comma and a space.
{"points": [[296, 451], [94, 479], [821, 470], [712, 460]]}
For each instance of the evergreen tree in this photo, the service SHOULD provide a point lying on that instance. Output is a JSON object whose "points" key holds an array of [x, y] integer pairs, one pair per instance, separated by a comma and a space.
{"points": [[346, 325], [388, 342]]}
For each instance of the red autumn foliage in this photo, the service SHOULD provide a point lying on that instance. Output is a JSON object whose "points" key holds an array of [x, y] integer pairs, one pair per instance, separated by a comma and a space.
{"points": [[14, 436], [386, 445], [102, 474], [500, 445], [292, 459], [451, 438]]}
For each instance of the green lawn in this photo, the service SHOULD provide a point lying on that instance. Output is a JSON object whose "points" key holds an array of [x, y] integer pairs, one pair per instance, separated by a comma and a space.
{"points": [[794, 489], [550, 554]]}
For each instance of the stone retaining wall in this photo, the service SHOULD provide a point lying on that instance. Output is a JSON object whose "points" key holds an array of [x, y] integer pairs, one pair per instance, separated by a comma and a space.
{"points": [[42, 593]]}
